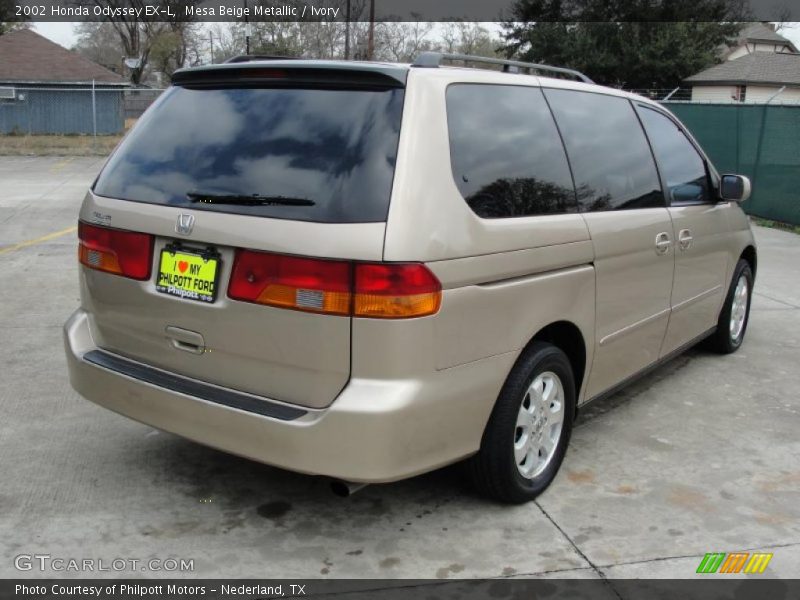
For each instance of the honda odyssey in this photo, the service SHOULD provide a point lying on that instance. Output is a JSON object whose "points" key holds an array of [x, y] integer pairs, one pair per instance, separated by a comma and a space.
{"points": [[368, 271]]}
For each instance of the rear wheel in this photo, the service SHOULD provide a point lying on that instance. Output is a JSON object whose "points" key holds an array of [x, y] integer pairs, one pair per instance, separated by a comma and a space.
{"points": [[528, 432], [735, 313]]}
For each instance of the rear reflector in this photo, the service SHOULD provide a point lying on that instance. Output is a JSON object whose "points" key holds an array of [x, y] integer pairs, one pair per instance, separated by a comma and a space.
{"points": [[382, 290], [126, 253]]}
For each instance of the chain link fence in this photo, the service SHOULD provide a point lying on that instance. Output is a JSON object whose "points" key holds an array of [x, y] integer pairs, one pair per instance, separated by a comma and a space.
{"points": [[138, 100], [722, 95], [664, 94], [71, 110]]}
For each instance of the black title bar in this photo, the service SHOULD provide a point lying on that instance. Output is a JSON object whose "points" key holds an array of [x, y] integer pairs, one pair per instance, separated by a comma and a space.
{"points": [[719, 587], [398, 10]]}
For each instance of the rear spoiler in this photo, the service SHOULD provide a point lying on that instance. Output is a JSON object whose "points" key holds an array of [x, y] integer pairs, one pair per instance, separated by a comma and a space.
{"points": [[294, 73]]}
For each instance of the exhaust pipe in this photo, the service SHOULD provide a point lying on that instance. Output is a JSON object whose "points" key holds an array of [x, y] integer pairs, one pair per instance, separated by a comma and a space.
{"points": [[343, 489]]}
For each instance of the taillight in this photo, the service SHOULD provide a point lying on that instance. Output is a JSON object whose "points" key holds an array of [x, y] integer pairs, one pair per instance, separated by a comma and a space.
{"points": [[126, 253], [396, 291], [380, 290], [291, 282]]}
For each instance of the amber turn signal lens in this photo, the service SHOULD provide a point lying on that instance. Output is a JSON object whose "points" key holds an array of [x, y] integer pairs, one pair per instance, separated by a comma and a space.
{"points": [[396, 291], [102, 260], [397, 307]]}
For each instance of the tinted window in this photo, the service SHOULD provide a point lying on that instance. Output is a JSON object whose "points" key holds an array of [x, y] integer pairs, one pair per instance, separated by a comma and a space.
{"points": [[611, 161], [681, 166], [505, 151], [336, 148]]}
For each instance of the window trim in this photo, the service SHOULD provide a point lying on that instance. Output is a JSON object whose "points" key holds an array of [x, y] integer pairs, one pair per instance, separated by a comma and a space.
{"points": [[563, 147], [712, 177], [576, 208]]}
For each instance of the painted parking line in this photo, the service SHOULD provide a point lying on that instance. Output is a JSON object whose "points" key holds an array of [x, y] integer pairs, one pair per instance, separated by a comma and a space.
{"points": [[39, 240], [61, 164]]}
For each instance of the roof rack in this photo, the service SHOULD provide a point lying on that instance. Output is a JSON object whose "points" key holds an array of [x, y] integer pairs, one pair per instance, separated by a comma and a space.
{"points": [[251, 57], [433, 60]]}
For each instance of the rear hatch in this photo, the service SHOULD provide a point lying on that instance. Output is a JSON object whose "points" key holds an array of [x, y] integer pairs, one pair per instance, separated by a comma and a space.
{"points": [[256, 187]]}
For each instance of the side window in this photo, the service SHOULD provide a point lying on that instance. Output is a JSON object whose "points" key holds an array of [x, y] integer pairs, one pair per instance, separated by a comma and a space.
{"points": [[611, 160], [505, 152], [681, 166]]}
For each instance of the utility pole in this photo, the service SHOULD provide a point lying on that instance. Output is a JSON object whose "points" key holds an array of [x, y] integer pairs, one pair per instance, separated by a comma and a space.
{"points": [[246, 31], [371, 38], [347, 32], [211, 43]]}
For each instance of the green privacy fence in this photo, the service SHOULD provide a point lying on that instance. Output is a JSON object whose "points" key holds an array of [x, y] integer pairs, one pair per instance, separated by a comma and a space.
{"points": [[760, 141]]}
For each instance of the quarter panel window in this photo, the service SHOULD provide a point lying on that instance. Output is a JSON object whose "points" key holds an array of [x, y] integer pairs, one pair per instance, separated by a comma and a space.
{"points": [[611, 160], [505, 152], [681, 165]]}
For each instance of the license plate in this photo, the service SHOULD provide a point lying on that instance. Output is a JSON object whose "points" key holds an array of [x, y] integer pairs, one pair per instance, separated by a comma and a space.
{"points": [[188, 275]]}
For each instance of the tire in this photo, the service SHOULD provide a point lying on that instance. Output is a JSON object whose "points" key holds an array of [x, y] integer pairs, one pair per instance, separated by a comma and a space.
{"points": [[729, 334], [496, 471]]}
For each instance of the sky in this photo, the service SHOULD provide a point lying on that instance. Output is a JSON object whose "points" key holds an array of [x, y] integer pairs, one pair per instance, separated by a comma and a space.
{"points": [[62, 33]]}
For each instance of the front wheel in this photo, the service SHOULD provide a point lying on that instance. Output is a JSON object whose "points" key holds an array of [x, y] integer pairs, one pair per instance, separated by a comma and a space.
{"points": [[528, 432], [735, 313]]}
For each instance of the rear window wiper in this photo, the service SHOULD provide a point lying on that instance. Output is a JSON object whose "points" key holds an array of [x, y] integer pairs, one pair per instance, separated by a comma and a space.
{"points": [[245, 200]]}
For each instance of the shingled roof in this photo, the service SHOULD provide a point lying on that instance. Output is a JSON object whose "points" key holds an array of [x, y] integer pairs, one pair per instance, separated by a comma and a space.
{"points": [[759, 32], [759, 67], [27, 57]]}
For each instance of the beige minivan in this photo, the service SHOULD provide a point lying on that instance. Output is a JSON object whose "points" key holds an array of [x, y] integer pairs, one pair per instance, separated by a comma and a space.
{"points": [[367, 271]]}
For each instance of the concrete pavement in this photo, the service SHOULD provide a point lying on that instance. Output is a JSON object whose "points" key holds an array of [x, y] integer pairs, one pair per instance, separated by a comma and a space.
{"points": [[700, 456]]}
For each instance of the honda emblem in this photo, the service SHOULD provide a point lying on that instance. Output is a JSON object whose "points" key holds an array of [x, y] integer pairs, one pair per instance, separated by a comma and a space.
{"points": [[185, 224]]}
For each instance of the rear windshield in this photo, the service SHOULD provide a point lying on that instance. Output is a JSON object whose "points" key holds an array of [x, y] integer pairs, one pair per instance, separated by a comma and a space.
{"points": [[304, 154]]}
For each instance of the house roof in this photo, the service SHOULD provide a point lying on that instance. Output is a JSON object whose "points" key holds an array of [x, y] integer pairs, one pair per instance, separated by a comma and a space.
{"points": [[27, 57], [757, 67], [759, 32]]}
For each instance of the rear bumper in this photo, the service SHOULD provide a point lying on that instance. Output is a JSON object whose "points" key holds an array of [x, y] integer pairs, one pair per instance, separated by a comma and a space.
{"points": [[375, 431]]}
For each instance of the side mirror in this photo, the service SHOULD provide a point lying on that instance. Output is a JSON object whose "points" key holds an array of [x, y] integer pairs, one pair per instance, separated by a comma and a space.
{"points": [[735, 188]]}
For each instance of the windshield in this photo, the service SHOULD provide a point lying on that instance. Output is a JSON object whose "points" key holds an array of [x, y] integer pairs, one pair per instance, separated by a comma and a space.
{"points": [[331, 153]]}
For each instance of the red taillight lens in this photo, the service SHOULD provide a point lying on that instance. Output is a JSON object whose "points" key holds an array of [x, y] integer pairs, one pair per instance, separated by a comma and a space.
{"points": [[126, 253], [396, 291], [382, 290], [291, 282]]}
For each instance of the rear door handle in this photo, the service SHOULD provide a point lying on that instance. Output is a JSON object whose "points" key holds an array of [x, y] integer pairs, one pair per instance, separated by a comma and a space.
{"points": [[685, 239], [662, 243]]}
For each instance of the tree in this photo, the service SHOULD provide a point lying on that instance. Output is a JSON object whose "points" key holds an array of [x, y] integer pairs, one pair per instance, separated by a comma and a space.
{"points": [[227, 40], [6, 27], [277, 38], [7, 12], [99, 42], [630, 43], [174, 45], [398, 41], [138, 37], [134, 35], [323, 39], [464, 37]]}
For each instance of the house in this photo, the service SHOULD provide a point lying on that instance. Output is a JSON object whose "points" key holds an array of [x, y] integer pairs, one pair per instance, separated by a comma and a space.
{"points": [[761, 66], [759, 37], [47, 89]]}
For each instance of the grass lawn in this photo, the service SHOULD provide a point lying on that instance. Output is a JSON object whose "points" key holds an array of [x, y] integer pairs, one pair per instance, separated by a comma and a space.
{"points": [[57, 145], [776, 224]]}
